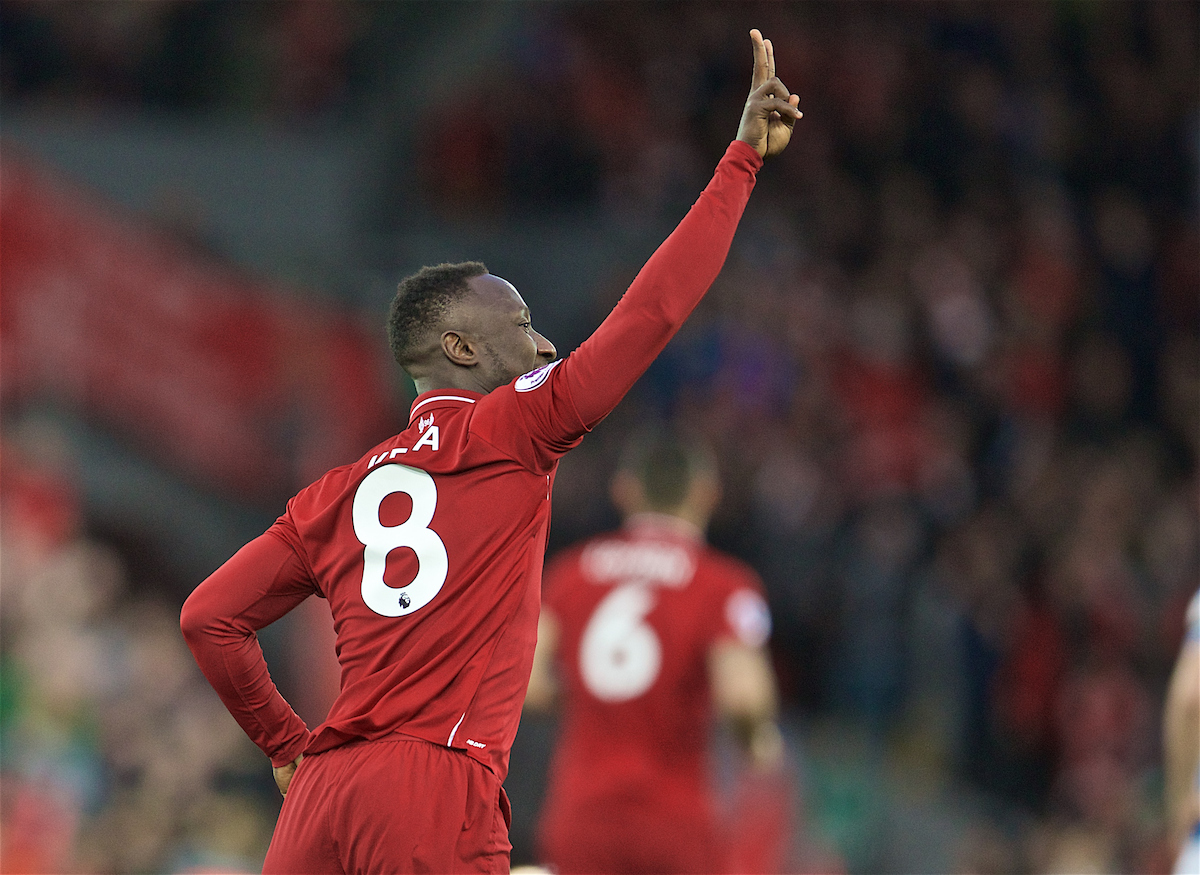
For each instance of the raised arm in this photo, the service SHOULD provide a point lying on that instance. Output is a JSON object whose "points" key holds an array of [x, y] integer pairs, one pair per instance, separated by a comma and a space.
{"points": [[683, 268]]}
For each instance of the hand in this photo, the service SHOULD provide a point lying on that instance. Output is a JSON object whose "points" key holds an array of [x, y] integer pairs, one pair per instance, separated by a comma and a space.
{"points": [[770, 110], [283, 774]]}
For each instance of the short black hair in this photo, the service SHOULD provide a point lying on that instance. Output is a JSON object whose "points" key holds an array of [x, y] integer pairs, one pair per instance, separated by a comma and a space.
{"points": [[422, 299], [666, 462]]}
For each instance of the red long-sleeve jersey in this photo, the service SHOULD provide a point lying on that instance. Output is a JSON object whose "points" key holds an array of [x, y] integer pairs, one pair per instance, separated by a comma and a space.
{"points": [[638, 612], [429, 548]]}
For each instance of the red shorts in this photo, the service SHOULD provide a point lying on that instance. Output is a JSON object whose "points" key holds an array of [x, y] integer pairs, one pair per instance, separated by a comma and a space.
{"points": [[391, 806], [629, 840]]}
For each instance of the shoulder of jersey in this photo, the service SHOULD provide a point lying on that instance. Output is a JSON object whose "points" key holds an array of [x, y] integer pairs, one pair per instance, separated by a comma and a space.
{"points": [[529, 382], [728, 564], [334, 478]]}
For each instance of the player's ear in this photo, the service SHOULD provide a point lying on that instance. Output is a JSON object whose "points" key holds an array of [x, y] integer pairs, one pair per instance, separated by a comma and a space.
{"points": [[458, 349]]}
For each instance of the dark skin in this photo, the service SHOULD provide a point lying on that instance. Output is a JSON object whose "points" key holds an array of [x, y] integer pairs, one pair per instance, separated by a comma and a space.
{"points": [[487, 339]]}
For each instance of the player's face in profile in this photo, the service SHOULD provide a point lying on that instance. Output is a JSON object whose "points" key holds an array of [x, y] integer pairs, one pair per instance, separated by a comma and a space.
{"points": [[509, 345]]}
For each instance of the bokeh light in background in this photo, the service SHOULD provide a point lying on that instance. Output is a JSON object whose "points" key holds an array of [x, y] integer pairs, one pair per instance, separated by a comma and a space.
{"points": [[952, 367]]}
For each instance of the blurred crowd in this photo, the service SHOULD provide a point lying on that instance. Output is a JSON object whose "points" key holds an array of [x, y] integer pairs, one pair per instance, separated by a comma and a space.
{"points": [[952, 369], [278, 61], [116, 755]]}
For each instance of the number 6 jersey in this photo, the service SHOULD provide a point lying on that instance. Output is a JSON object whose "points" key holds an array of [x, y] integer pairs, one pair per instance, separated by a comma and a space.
{"points": [[638, 612], [429, 549]]}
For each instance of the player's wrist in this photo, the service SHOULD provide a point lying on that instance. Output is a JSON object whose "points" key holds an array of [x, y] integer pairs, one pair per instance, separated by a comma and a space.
{"points": [[741, 152]]}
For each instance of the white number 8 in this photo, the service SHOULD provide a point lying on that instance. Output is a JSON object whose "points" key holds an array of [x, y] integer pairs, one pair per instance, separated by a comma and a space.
{"points": [[380, 540], [620, 654]]}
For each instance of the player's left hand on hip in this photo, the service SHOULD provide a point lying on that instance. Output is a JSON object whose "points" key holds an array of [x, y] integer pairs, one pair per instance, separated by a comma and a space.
{"points": [[284, 773]]}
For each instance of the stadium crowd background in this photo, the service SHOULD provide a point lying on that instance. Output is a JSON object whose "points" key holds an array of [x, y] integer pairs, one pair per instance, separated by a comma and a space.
{"points": [[952, 369]]}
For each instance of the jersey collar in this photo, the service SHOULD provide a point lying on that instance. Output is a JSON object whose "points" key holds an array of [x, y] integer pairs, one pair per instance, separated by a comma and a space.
{"points": [[437, 398]]}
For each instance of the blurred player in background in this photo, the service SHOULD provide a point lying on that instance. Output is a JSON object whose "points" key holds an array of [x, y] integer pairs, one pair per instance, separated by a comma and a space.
{"points": [[646, 635], [1181, 747], [429, 550]]}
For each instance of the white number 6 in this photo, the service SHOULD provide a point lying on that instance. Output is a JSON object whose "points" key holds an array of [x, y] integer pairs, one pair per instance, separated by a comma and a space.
{"points": [[380, 540], [620, 654]]}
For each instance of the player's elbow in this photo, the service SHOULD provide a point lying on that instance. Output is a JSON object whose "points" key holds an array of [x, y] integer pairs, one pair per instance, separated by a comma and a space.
{"points": [[196, 621], [191, 622]]}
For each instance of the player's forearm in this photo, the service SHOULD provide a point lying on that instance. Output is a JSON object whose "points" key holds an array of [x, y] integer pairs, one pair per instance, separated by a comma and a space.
{"points": [[760, 740], [219, 622], [665, 291], [746, 697], [234, 665]]}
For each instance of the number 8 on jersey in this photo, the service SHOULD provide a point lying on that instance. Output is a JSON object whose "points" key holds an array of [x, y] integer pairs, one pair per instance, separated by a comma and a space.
{"points": [[379, 540]]}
